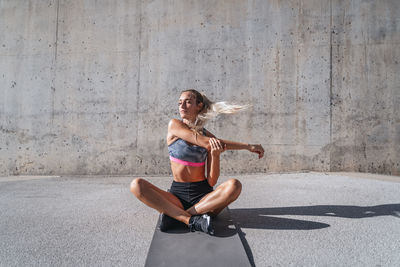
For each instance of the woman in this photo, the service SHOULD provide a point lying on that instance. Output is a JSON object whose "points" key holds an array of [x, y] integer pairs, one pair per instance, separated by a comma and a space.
{"points": [[192, 199]]}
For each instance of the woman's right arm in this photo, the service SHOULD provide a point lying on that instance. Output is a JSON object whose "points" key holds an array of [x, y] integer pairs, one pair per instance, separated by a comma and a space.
{"points": [[213, 161], [181, 130]]}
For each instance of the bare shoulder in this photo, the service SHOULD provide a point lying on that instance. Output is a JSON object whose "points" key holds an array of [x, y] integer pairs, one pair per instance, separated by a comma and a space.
{"points": [[175, 123]]}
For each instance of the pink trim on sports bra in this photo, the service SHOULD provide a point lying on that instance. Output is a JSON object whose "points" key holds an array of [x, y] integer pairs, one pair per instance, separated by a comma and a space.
{"points": [[187, 163]]}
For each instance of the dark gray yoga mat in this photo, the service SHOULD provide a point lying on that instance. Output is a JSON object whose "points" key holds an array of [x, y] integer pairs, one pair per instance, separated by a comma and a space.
{"points": [[179, 247]]}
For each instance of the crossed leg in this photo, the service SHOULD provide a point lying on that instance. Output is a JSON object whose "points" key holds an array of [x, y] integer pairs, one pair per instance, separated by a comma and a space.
{"points": [[159, 199], [214, 202], [163, 201]]}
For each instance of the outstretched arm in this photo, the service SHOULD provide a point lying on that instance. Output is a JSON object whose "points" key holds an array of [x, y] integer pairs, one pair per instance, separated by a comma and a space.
{"points": [[232, 145]]}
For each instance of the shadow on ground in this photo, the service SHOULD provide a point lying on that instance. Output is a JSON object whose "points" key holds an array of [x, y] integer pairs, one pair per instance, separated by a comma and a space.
{"points": [[260, 218], [231, 221]]}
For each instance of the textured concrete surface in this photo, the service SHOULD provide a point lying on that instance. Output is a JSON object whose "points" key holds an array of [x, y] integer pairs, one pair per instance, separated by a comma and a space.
{"points": [[88, 87], [292, 219]]}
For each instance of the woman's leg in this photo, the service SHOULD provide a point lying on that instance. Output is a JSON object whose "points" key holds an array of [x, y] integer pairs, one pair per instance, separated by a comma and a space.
{"points": [[159, 199], [215, 201]]}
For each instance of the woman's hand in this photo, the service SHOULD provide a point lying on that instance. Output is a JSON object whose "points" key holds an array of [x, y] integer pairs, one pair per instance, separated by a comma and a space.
{"points": [[257, 149], [216, 146]]}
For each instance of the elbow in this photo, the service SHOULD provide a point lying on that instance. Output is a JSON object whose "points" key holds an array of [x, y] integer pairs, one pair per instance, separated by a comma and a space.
{"points": [[212, 181]]}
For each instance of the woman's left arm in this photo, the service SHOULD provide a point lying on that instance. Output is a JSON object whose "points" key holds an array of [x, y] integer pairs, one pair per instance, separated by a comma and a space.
{"points": [[232, 145]]}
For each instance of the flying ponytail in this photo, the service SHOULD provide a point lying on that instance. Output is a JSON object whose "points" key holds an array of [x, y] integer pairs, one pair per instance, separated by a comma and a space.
{"points": [[211, 109]]}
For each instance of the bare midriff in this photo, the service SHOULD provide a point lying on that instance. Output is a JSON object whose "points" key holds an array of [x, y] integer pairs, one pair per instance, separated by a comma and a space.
{"points": [[186, 174]]}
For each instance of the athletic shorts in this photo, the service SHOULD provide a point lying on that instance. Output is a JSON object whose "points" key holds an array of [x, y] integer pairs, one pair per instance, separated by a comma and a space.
{"points": [[190, 193]]}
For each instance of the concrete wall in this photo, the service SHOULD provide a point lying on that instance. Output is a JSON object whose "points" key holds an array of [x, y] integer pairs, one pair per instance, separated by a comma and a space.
{"points": [[88, 87]]}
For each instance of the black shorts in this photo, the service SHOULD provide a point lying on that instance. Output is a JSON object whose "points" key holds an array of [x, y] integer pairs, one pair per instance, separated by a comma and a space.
{"points": [[190, 193]]}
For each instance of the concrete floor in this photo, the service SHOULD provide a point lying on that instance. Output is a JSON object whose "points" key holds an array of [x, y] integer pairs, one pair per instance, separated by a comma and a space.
{"points": [[295, 219]]}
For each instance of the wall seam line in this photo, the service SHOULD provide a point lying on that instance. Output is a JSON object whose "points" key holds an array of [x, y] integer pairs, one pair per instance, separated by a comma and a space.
{"points": [[138, 78], [330, 83], [56, 43]]}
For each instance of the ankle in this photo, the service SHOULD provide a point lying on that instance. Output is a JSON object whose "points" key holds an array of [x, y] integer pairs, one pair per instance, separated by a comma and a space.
{"points": [[187, 220], [192, 211]]}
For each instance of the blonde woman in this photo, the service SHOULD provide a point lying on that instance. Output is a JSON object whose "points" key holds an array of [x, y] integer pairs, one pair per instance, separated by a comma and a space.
{"points": [[195, 164]]}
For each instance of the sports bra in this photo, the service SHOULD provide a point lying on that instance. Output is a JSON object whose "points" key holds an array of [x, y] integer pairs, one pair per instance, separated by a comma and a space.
{"points": [[184, 153]]}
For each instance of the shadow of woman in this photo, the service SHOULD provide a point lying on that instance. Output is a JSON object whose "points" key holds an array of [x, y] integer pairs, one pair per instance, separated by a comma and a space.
{"points": [[261, 218]]}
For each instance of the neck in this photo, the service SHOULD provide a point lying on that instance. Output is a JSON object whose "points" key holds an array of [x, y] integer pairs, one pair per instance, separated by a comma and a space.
{"points": [[188, 122]]}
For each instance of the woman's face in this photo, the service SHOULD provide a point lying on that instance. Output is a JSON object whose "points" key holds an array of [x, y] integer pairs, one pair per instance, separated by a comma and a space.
{"points": [[188, 109]]}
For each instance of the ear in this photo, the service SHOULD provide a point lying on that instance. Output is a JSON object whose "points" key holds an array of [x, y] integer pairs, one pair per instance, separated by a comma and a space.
{"points": [[200, 106]]}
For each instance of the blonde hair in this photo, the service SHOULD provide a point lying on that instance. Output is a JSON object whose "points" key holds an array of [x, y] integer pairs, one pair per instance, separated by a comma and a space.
{"points": [[211, 109]]}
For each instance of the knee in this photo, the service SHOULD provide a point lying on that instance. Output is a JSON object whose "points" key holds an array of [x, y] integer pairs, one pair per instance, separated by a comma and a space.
{"points": [[137, 187], [234, 188]]}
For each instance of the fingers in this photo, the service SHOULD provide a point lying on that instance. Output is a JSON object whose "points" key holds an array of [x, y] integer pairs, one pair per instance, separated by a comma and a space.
{"points": [[212, 143], [261, 154], [219, 144], [216, 144], [259, 150]]}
